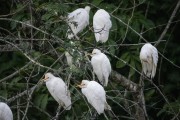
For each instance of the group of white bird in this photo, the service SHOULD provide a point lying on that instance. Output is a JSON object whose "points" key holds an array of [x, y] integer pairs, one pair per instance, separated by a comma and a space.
{"points": [[93, 91], [79, 19]]}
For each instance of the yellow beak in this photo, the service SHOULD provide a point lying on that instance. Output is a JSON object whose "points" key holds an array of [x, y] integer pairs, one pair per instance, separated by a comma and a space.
{"points": [[79, 86], [44, 79], [90, 54]]}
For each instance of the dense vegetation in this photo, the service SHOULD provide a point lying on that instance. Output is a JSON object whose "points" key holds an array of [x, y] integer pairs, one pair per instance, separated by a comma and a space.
{"points": [[33, 41]]}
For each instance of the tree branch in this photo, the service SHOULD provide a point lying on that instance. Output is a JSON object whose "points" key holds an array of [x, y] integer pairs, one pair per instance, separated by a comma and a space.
{"points": [[169, 23], [128, 84]]}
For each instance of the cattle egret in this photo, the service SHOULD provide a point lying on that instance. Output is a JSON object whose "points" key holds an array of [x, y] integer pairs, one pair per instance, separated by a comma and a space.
{"points": [[58, 89], [69, 58], [149, 60], [101, 66], [5, 112], [101, 25], [77, 21], [95, 95]]}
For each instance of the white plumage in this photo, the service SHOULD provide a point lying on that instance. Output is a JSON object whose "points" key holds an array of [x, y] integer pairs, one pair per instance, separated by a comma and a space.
{"points": [[77, 21], [101, 66], [69, 58], [58, 89], [95, 95], [5, 112], [101, 25], [149, 60]]}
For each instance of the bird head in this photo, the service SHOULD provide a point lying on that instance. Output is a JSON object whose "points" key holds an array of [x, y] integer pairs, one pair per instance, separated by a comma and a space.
{"points": [[48, 76], [87, 8], [83, 84], [95, 52], [144, 56], [146, 53]]}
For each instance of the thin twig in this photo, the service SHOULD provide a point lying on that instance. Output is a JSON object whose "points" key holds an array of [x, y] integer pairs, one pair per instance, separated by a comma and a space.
{"points": [[169, 23]]}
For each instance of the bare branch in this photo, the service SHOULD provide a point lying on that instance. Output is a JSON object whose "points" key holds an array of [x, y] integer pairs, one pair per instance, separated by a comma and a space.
{"points": [[169, 23], [128, 84]]}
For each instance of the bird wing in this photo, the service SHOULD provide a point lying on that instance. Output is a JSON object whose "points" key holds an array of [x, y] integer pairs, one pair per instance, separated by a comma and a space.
{"points": [[106, 68], [101, 25], [58, 90], [78, 20], [147, 69], [5, 112], [96, 62], [155, 60], [101, 20], [73, 15], [95, 95], [69, 58]]}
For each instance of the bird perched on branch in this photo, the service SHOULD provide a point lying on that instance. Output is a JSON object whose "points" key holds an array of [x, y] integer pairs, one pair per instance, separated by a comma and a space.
{"points": [[149, 60], [101, 25], [58, 89], [69, 58], [101, 66], [95, 95], [5, 112], [77, 21]]}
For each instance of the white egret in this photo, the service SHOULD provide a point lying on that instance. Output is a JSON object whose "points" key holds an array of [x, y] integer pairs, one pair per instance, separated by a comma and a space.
{"points": [[149, 60], [101, 25], [58, 89], [77, 21], [69, 58], [95, 95], [5, 112], [73, 62], [101, 66]]}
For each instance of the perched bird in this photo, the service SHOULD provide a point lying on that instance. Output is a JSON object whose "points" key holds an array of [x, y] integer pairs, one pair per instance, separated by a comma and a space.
{"points": [[101, 66], [101, 25], [149, 60], [58, 89], [95, 95], [77, 21], [5, 112], [69, 58]]}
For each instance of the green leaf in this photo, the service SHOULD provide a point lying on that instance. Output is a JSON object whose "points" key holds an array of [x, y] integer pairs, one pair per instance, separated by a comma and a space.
{"points": [[41, 100], [16, 80], [96, 2], [125, 55], [46, 16], [3, 93], [120, 64], [160, 112], [149, 94], [44, 101], [112, 49], [132, 71], [18, 18]]}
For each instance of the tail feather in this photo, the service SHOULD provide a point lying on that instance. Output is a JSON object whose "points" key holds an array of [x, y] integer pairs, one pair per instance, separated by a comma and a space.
{"points": [[153, 71]]}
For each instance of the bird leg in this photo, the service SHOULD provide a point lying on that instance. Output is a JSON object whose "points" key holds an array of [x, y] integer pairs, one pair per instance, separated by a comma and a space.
{"points": [[95, 44], [57, 113], [112, 115], [93, 75]]}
